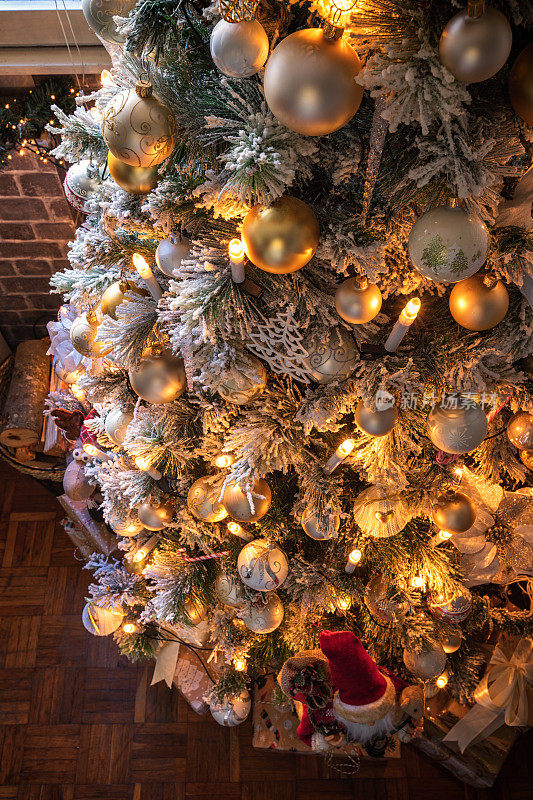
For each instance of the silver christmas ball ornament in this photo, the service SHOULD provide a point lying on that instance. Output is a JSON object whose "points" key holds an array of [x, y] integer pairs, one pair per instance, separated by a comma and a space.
{"points": [[170, 253], [125, 526], [229, 591], [474, 48], [459, 428], [83, 333], [100, 621], [233, 710], [425, 664], [375, 422], [155, 517], [264, 618], [99, 16], [244, 386], [202, 501], [331, 355], [239, 49], [158, 379], [75, 483], [81, 181], [237, 504], [451, 640], [320, 529], [262, 565]]}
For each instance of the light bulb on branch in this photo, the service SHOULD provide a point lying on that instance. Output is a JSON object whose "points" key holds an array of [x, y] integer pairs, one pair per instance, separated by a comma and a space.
{"points": [[144, 551], [236, 257], [237, 530], [106, 79], [223, 460], [129, 627], [353, 560], [341, 453], [142, 267], [402, 325], [239, 663], [95, 452], [440, 537], [143, 463]]}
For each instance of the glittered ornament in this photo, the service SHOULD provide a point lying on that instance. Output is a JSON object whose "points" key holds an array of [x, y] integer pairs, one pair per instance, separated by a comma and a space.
{"points": [[310, 82], [526, 457], [454, 512], [320, 529], [158, 379], [459, 428], [381, 606], [451, 640], [475, 44], [280, 237], [447, 244], [100, 621], [170, 253], [233, 710], [379, 516], [155, 517], [75, 483], [137, 128], [99, 15], [202, 501], [520, 430], [229, 591], [195, 610], [81, 181], [425, 664], [136, 180], [521, 84], [116, 424], [264, 618], [83, 332], [331, 355], [125, 526], [357, 301], [236, 502], [244, 386], [239, 49], [452, 608], [375, 422], [479, 303], [262, 565]]}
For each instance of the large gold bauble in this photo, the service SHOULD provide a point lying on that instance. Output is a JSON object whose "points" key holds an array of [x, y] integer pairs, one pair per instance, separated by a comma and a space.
{"points": [[160, 379], [281, 237], [331, 355], [112, 298], [521, 84], [242, 388], [426, 664], [457, 430], [320, 530], [262, 566], [265, 618], [375, 422], [83, 332], [155, 517], [116, 424], [310, 82], [236, 502], [136, 180], [137, 128], [170, 253], [454, 512], [229, 591], [202, 501], [478, 303], [476, 48], [520, 430], [195, 610], [358, 301], [526, 457]]}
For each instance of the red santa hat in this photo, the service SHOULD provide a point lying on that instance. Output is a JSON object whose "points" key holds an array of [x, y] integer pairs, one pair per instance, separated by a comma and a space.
{"points": [[364, 694]]}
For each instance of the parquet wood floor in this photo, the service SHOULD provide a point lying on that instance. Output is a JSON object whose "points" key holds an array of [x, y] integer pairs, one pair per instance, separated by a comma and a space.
{"points": [[78, 722]]}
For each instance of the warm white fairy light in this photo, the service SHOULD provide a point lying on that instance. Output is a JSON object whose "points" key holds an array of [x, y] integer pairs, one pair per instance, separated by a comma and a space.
{"points": [[353, 560], [95, 452], [129, 627], [239, 663], [106, 79], [441, 681], [440, 537], [143, 463], [341, 453], [343, 602], [402, 325], [418, 582], [77, 391], [144, 270], [145, 550], [236, 257], [238, 530], [223, 460]]}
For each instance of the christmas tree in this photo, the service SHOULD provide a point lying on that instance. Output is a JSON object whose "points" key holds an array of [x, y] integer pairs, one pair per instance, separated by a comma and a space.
{"points": [[300, 316]]}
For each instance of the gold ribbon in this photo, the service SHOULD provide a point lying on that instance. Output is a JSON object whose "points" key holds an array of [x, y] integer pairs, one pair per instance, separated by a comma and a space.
{"points": [[501, 696]]}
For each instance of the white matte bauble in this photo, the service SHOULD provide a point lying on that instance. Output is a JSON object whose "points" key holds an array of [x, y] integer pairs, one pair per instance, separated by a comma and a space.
{"points": [[447, 244], [331, 355], [202, 501], [232, 710], [474, 48], [128, 527], [99, 15], [262, 566], [81, 180], [457, 430], [170, 253], [116, 424], [426, 664], [320, 530], [155, 517], [239, 49], [229, 591], [265, 618], [83, 332], [75, 483], [100, 621]]}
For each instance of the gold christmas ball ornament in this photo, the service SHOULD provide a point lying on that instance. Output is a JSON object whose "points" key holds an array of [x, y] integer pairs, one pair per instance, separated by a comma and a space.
{"points": [[195, 610], [229, 591], [479, 303], [451, 640], [170, 253], [385, 609], [521, 84], [135, 180], [447, 244], [280, 237], [202, 502], [125, 526], [331, 355], [454, 512], [425, 664], [265, 618], [358, 301], [243, 387], [100, 621], [520, 430], [155, 517], [239, 49], [112, 298], [99, 16], [310, 82], [137, 128], [262, 565], [474, 48], [158, 379], [236, 503], [116, 424], [526, 457], [83, 332], [375, 422], [457, 426], [320, 530]]}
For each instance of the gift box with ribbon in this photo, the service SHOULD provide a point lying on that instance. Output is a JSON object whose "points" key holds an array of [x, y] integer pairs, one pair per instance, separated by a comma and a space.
{"points": [[473, 742]]}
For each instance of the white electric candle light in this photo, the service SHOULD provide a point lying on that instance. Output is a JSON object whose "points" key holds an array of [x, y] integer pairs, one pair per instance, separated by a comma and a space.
{"points": [[238, 530], [440, 537], [405, 320], [441, 681], [353, 560], [223, 460], [147, 275], [95, 452], [418, 583], [145, 550], [236, 257], [143, 463], [342, 452], [129, 627]]}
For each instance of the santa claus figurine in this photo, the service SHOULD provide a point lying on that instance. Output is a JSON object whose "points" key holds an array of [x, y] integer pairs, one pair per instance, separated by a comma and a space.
{"points": [[357, 700]]}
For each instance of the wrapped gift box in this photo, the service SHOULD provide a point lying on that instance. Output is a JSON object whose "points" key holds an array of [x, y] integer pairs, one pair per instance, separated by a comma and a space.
{"points": [[192, 680]]}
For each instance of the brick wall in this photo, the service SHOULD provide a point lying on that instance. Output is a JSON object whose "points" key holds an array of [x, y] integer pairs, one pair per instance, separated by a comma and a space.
{"points": [[36, 223]]}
